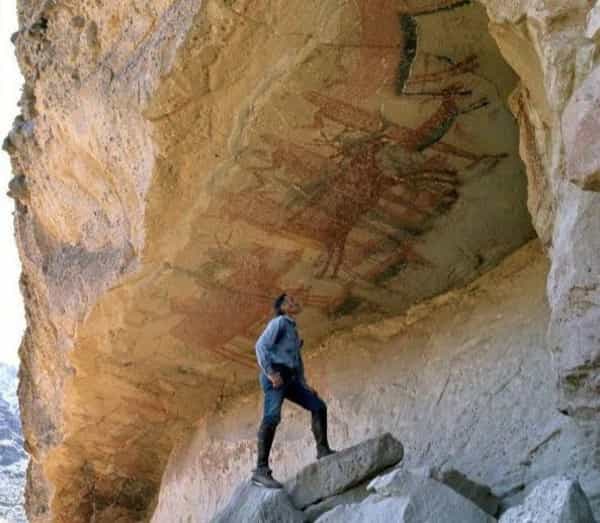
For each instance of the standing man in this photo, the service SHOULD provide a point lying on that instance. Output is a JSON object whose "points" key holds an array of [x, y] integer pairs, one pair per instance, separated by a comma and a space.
{"points": [[282, 377]]}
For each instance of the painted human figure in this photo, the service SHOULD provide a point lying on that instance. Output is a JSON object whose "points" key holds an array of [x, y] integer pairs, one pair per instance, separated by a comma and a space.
{"points": [[278, 351]]}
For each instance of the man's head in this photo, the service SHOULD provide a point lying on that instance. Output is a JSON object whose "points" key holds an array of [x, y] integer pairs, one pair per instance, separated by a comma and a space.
{"points": [[286, 304]]}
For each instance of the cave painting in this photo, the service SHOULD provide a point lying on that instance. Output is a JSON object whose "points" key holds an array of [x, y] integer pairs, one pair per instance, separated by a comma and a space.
{"points": [[235, 289], [343, 185], [351, 170]]}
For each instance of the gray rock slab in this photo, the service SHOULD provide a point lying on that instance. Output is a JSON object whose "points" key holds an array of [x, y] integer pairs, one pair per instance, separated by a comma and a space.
{"points": [[425, 501], [416, 483], [554, 500], [401, 478], [259, 505], [401, 481], [336, 473], [354, 495], [374, 509]]}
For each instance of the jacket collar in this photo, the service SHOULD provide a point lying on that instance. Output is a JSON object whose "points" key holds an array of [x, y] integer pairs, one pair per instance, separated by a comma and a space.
{"points": [[290, 319]]}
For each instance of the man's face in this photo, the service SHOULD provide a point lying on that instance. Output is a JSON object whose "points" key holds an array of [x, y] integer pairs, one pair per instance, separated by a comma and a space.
{"points": [[291, 306]]}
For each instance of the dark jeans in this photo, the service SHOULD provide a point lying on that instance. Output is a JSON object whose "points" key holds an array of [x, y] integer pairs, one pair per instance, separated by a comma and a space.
{"points": [[291, 390]]}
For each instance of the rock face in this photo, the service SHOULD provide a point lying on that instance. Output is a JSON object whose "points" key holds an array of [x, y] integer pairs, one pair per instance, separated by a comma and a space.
{"points": [[13, 460], [554, 500], [552, 47], [464, 381], [180, 162]]}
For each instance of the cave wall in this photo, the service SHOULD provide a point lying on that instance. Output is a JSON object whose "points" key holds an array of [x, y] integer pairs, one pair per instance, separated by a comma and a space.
{"points": [[82, 157], [553, 47], [177, 163], [463, 380]]}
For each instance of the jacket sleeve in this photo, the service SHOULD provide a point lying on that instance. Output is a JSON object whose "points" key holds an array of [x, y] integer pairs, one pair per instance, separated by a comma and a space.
{"points": [[265, 344]]}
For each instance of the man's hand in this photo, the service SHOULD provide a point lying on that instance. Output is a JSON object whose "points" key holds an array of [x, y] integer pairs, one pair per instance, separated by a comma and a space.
{"points": [[275, 379]]}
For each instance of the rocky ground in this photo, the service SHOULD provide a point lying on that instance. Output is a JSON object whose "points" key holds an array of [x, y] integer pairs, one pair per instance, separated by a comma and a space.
{"points": [[13, 460], [356, 485]]}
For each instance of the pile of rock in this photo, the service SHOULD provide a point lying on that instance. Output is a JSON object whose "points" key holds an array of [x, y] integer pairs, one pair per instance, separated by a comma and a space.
{"points": [[367, 483]]}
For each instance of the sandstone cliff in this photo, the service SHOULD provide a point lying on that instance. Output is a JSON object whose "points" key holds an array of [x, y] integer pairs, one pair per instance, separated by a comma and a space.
{"points": [[179, 162]]}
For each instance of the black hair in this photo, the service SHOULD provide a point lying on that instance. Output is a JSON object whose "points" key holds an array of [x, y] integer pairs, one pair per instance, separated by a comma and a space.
{"points": [[278, 303]]}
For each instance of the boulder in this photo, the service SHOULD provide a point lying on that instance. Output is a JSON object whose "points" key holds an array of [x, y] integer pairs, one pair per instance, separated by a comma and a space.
{"points": [[354, 495], [407, 497], [398, 479], [259, 505], [343, 470], [479, 494], [554, 500], [375, 509]]}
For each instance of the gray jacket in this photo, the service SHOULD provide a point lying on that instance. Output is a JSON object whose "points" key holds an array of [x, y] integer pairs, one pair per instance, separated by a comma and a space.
{"points": [[280, 344]]}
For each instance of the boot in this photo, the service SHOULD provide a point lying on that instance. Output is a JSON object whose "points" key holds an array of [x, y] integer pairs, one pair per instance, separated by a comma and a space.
{"points": [[319, 429], [261, 476]]}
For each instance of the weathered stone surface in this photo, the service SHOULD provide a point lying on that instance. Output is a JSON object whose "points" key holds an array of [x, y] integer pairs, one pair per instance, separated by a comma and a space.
{"points": [[354, 495], [344, 469], [401, 478], [259, 505], [554, 500], [574, 293], [401, 481], [592, 29], [463, 380], [581, 128], [178, 163], [574, 287], [373, 510], [481, 495], [409, 497], [553, 49]]}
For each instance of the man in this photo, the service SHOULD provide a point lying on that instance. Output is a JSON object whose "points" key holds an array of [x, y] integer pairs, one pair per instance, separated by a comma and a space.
{"points": [[282, 377]]}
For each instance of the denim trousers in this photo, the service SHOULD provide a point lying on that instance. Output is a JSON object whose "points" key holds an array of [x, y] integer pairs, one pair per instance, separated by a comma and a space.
{"points": [[292, 390]]}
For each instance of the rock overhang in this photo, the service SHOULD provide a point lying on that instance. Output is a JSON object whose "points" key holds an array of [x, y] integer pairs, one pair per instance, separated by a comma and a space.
{"points": [[358, 155], [353, 156]]}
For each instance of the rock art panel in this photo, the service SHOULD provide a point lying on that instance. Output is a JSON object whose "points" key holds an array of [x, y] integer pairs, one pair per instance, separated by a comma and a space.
{"points": [[180, 163]]}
